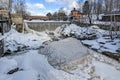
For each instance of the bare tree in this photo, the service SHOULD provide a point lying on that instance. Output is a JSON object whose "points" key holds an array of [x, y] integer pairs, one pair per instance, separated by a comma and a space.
{"points": [[4, 3], [19, 7], [99, 8], [87, 10], [49, 15], [61, 14]]}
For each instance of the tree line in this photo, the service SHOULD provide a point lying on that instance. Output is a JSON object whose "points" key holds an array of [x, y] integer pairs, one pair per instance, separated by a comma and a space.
{"points": [[98, 7], [15, 6], [89, 7], [60, 15]]}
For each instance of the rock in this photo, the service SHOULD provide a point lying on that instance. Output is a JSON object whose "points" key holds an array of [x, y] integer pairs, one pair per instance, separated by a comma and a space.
{"points": [[118, 50], [51, 33], [13, 71], [34, 40], [8, 52], [59, 53], [24, 47], [91, 70], [97, 78]]}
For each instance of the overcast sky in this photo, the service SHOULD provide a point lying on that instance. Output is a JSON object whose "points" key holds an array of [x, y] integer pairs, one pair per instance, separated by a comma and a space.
{"points": [[41, 7]]}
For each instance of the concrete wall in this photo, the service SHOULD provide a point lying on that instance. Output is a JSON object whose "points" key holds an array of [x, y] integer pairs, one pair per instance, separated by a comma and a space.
{"points": [[42, 26]]}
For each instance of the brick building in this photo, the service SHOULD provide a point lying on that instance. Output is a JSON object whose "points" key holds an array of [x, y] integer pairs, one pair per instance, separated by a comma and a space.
{"points": [[76, 15]]}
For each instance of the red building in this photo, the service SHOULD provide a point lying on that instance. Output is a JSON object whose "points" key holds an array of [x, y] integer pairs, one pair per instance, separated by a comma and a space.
{"points": [[76, 15]]}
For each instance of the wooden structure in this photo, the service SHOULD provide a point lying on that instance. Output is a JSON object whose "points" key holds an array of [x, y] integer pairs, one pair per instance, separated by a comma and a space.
{"points": [[4, 27], [17, 19], [37, 18], [108, 17], [76, 15]]}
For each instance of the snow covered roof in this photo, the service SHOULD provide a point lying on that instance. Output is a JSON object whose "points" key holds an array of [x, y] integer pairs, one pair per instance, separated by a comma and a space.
{"points": [[110, 14]]}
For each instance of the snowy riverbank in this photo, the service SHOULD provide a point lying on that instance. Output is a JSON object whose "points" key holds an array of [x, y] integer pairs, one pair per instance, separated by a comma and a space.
{"points": [[95, 38], [31, 65]]}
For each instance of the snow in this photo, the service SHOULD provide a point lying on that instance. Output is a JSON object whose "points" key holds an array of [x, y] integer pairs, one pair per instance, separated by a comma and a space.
{"points": [[98, 67], [43, 21], [25, 75], [105, 23], [106, 71], [77, 31], [102, 44], [71, 29], [20, 40], [92, 36], [34, 66], [7, 65], [64, 51]]}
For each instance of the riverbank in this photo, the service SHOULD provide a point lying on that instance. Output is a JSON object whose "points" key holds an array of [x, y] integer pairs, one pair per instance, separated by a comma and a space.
{"points": [[29, 64]]}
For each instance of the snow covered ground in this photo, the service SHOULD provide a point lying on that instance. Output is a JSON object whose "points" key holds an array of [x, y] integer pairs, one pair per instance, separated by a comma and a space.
{"points": [[33, 66], [44, 21], [64, 51], [105, 23], [19, 41], [93, 37]]}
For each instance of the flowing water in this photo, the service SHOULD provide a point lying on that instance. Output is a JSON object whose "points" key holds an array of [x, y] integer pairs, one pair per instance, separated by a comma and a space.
{"points": [[43, 26]]}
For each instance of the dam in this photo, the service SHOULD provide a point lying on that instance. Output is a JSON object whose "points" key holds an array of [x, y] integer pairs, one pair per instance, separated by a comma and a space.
{"points": [[45, 25]]}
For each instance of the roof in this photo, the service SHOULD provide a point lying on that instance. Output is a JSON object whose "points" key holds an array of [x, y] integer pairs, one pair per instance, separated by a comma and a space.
{"points": [[76, 11]]}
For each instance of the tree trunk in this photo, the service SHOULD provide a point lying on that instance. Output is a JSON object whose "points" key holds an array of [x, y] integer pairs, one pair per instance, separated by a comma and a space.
{"points": [[90, 19]]}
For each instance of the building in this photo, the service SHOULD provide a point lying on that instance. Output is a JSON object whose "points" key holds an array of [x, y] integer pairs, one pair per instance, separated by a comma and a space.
{"points": [[109, 17], [1, 8], [4, 12], [4, 27], [76, 15], [37, 18]]}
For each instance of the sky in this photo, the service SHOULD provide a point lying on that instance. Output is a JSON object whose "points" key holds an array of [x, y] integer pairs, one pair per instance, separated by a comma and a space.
{"points": [[42, 7]]}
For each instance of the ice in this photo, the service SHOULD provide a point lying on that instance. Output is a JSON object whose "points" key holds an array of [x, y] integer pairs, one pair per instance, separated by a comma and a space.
{"points": [[28, 40], [92, 36], [25, 75], [106, 71], [82, 63], [64, 51], [7, 65], [33, 66]]}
